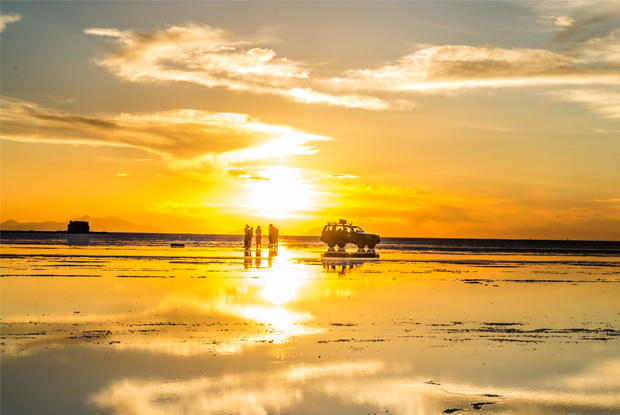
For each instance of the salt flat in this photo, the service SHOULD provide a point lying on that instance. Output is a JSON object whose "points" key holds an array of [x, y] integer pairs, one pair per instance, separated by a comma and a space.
{"points": [[148, 329]]}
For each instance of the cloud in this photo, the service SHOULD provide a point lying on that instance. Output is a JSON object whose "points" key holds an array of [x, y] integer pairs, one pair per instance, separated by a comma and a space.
{"points": [[6, 19], [589, 35], [603, 131], [588, 23], [342, 176], [564, 21], [452, 67], [199, 210], [486, 127], [587, 30], [605, 102], [214, 57], [183, 138]]}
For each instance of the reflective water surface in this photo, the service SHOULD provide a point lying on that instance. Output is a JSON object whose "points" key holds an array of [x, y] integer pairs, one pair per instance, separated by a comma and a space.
{"points": [[147, 329]]}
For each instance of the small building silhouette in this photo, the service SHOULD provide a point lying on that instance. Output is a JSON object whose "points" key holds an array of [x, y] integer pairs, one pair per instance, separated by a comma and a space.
{"points": [[77, 226]]}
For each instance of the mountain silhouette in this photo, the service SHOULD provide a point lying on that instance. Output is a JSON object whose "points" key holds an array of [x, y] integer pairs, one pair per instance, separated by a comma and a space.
{"points": [[107, 224]]}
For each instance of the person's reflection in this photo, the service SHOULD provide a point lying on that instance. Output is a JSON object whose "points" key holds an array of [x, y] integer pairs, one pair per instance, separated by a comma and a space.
{"points": [[272, 254], [247, 259], [258, 259]]}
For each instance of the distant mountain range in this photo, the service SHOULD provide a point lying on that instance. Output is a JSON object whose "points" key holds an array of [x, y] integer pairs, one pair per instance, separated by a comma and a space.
{"points": [[109, 224]]}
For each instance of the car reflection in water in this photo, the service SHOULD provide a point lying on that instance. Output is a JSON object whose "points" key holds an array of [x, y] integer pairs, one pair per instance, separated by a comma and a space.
{"points": [[340, 266]]}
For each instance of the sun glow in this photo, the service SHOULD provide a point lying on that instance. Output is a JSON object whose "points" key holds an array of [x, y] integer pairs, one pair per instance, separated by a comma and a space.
{"points": [[279, 192]]}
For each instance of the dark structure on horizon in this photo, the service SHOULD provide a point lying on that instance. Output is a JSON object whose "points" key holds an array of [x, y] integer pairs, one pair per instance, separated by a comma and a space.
{"points": [[77, 226]]}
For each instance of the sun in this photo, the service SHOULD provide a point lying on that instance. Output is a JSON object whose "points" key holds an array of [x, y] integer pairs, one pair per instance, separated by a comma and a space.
{"points": [[281, 192]]}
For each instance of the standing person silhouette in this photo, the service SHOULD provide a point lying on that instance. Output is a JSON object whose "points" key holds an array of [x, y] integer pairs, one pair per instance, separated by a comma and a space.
{"points": [[259, 234], [246, 236], [273, 237], [250, 236]]}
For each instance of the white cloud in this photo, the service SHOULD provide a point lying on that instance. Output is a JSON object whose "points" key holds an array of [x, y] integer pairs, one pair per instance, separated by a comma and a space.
{"points": [[215, 58], [452, 67], [6, 19], [605, 102], [564, 21]]}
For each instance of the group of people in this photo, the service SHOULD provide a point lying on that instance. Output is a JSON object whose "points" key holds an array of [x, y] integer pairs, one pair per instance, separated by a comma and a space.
{"points": [[274, 234]]}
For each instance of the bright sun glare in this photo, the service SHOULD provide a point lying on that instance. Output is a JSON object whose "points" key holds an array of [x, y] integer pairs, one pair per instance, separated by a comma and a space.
{"points": [[282, 194]]}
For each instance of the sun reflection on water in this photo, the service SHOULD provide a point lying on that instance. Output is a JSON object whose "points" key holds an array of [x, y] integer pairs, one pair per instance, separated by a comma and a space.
{"points": [[278, 284]]}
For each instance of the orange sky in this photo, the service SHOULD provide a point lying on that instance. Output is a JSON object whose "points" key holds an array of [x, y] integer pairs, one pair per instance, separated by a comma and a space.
{"points": [[470, 119]]}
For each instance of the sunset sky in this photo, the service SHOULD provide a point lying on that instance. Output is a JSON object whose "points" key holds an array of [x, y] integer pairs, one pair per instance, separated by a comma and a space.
{"points": [[482, 119]]}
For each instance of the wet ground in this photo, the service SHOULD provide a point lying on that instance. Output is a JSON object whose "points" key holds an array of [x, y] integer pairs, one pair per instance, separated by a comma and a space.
{"points": [[150, 330]]}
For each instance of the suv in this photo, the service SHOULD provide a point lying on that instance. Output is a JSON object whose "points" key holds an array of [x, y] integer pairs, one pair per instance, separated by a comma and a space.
{"points": [[341, 233]]}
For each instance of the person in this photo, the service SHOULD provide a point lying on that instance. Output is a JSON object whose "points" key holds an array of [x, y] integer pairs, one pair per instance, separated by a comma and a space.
{"points": [[259, 234], [273, 237], [249, 232], [246, 238]]}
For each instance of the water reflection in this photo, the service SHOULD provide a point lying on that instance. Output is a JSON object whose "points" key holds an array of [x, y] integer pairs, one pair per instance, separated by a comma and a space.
{"points": [[132, 303], [257, 262], [339, 266], [295, 333], [343, 387], [78, 239]]}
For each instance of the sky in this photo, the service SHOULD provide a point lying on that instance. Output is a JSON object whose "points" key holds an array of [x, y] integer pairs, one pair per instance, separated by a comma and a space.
{"points": [[482, 119]]}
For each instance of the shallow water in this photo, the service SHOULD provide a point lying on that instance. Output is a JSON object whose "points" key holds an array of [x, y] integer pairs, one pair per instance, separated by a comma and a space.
{"points": [[126, 325]]}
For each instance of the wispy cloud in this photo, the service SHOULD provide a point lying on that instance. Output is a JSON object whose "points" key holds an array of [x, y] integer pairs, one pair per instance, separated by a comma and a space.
{"points": [[564, 21], [588, 22], [605, 102], [585, 29], [6, 19], [487, 127], [183, 138], [176, 208], [342, 176], [214, 57], [452, 67]]}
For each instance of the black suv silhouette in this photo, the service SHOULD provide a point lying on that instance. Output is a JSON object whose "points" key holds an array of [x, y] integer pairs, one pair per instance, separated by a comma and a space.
{"points": [[342, 233]]}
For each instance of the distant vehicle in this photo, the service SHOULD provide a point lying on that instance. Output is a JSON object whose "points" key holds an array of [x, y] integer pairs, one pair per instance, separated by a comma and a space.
{"points": [[342, 233]]}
